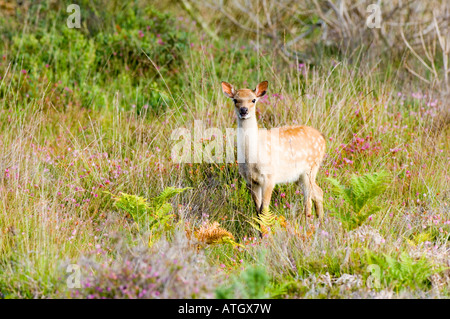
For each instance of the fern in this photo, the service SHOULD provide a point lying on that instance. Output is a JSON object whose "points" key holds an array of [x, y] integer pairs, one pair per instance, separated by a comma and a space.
{"points": [[212, 233], [160, 203], [359, 196], [405, 271], [265, 221], [135, 206], [419, 238], [153, 216]]}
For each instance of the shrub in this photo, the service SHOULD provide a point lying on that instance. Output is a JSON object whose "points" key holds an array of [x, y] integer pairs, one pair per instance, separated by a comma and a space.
{"points": [[131, 48]]}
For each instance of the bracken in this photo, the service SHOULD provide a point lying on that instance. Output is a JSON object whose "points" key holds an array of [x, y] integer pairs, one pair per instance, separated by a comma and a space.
{"points": [[212, 233]]}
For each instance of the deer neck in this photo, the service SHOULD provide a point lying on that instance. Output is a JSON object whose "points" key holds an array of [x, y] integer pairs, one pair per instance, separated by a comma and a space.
{"points": [[247, 140]]}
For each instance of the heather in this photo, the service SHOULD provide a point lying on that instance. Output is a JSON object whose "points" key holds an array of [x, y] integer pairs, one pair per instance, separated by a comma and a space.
{"points": [[88, 178]]}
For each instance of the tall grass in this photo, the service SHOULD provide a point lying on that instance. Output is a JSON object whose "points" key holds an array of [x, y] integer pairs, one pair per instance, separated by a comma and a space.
{"points": [[91, 111]]}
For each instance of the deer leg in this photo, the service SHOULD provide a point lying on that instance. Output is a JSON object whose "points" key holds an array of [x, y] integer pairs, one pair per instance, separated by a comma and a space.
{"points": [[256, 191], [317, 197], [307, 189], [267, 194], [267, 190], [316, 193]]}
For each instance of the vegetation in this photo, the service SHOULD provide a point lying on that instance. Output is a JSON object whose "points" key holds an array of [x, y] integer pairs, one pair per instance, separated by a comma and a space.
{"points": [[87, 170], [359, 195], [154, 217]]}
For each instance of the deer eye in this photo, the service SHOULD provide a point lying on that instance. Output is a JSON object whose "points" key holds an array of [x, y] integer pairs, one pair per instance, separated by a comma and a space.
{"points": [[253, 101], [235, 101]]}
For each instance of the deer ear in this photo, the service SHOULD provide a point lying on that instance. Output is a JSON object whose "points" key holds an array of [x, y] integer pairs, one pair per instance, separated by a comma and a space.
{"points": [[261, 88], [228, 90]]}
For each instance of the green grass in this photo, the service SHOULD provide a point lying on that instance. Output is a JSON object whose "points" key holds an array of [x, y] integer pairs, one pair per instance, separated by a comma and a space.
{"points": [[88, 112]]}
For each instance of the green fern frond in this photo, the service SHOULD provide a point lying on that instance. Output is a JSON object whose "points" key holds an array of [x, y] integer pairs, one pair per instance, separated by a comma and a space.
{"points": [[167, 194], [337, 189], [154, 215], [358, 197], [135, 206], [255, 226], [365, 188], [403, 271], [267, 218], [264, 221]]}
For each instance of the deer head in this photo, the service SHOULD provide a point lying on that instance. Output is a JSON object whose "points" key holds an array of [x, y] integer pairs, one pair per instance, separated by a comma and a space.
{"points": [[245, 99]]}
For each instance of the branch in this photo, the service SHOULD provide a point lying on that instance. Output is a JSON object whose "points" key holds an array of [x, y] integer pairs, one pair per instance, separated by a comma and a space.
{"points": [[190, 10]]}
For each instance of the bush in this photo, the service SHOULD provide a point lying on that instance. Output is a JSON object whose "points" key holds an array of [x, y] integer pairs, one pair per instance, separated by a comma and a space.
{"points": [[131, 49]]}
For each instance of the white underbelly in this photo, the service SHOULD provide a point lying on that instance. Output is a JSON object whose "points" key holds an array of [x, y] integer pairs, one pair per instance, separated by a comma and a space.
{"points": [[288, 174]]}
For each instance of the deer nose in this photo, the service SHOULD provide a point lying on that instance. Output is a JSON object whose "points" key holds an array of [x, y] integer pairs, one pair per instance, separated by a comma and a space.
{"points": [[243, 111]]}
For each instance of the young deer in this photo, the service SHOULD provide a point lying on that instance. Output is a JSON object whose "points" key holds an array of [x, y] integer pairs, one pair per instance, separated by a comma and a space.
{"points": [[280, 155]]}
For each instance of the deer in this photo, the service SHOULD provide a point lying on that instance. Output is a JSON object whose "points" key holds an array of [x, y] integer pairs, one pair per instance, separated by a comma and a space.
{"points": [[277, 156]]}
